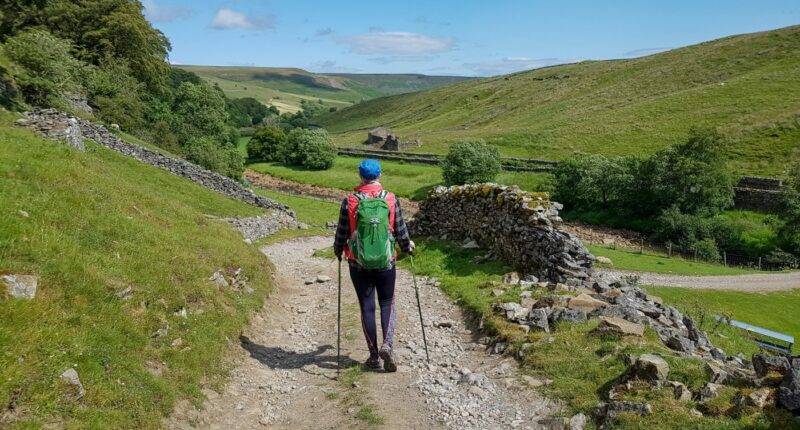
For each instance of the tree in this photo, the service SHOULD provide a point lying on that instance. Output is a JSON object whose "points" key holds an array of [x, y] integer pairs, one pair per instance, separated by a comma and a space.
{"points": [[50, 71], [267, 144], [692, 176], [316, 149], [790, 232], [100, 29], [246, 112], [310, 148], [210, 154], [470, 161], [593, 181], [199, 111]]}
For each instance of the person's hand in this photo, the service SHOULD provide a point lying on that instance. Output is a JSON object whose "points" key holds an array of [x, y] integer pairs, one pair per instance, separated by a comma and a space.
{"points": [[339, 256], [411, 246]]}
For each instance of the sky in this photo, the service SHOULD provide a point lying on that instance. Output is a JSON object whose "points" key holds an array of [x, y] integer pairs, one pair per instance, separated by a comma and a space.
{"points": [[443, 37]]}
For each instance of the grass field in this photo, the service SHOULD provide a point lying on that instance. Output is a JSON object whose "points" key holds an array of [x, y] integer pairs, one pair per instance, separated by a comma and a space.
{"points": [[774, 311], [94, 224], [407, 180], [285, 88], [748, 86], [625, 259]]}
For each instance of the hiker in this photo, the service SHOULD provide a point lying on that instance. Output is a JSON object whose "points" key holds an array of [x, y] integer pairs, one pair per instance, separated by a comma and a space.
{"points": [[370, 223]]}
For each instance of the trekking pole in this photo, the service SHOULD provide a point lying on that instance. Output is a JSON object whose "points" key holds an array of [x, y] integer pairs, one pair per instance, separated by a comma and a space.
{"points": [[419, 307], [339, 323]]}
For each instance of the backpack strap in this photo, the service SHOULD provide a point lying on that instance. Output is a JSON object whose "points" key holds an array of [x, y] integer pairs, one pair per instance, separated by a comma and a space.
{"points": [[383, 194], [359, 196]]}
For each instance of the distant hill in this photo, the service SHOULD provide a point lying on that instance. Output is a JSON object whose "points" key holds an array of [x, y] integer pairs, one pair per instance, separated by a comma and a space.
{"points": [[285, 87], [747, 85]]}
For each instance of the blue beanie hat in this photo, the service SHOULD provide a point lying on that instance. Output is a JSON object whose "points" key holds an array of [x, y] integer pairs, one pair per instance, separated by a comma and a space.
{"points": [[369, 169]]}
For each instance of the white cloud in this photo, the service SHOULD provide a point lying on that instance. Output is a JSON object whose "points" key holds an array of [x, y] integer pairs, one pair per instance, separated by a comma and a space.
{"points": [[512, 64], [164, 13], [397, 43], [229, 18]]}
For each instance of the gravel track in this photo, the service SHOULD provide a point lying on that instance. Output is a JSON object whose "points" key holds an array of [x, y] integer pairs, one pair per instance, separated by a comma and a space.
{"points": [[761, 282], [284, 373]]}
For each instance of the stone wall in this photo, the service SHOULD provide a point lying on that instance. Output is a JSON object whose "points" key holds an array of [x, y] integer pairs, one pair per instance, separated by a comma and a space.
{"points": [[521, 228], [758, 194], [58, 125]]}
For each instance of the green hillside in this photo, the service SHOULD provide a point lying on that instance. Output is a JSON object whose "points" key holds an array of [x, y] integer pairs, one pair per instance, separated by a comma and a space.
{"points": [[119, 248], [747, 85], [286, 87]]}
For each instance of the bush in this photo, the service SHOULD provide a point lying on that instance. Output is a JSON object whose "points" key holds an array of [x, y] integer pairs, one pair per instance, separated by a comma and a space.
{"points": [[706, 249], [50, 70], [313, 149], [469, 162], [211, 155], [267, 144], [692, 176], [593, 181], [790, 232]]}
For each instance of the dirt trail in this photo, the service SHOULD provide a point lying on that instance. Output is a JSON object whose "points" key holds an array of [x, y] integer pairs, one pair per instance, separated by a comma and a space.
{"points": [[761, 282], [284, 375]]}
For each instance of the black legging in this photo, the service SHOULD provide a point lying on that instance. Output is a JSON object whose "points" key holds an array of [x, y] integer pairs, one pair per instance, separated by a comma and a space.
{"points": [[365, 283]]}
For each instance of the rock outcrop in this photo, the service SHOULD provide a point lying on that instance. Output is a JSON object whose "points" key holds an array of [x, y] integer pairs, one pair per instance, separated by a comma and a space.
{"points": [[519, 227]]}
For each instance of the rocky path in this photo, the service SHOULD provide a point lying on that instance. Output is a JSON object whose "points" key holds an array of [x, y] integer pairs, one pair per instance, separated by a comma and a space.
{"points": [[761, 282], [285, 371]]}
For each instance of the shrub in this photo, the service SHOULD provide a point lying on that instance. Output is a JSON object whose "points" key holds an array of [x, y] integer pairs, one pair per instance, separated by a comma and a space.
{"points": [[266, 143], [681, 228], [211, 155], [790, 232], [594, 180], [469, 162], [50, 70], [706, 249], [692, 176], [313, 149]]}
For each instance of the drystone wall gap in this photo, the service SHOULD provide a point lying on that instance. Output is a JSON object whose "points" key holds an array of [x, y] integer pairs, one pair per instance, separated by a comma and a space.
{"points": [[519, 227], [58, 125]]}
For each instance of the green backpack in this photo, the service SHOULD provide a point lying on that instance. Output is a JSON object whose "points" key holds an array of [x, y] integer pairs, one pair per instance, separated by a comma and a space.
{"points": [[372, 244]]}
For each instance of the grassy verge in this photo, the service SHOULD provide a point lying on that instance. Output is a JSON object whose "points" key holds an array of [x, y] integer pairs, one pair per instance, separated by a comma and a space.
{"points": [[625, 259], [95, 224], [774, 311], [407, 180]]}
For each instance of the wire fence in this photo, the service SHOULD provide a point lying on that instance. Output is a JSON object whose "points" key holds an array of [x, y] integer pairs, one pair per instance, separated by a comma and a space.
{"points": [[670, 250]]}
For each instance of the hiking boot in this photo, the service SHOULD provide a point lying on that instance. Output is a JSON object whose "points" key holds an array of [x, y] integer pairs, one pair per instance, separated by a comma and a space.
{"points": [[388, 361], [372, 363]]}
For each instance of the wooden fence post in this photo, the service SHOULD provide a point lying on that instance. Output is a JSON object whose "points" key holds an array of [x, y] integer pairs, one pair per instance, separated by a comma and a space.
{"points": [[724, 258], [759, 262], [669, 250], [641, 251]]}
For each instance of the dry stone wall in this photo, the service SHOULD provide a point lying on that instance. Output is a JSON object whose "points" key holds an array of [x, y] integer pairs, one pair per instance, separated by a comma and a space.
{"points": [[59, 125], [518, 227]]}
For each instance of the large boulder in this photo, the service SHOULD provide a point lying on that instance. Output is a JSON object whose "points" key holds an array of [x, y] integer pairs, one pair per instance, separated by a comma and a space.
{"points": [[537, 320], [650, 367], [585, 303], [619, 327], [765, 364], [789, 391]]}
